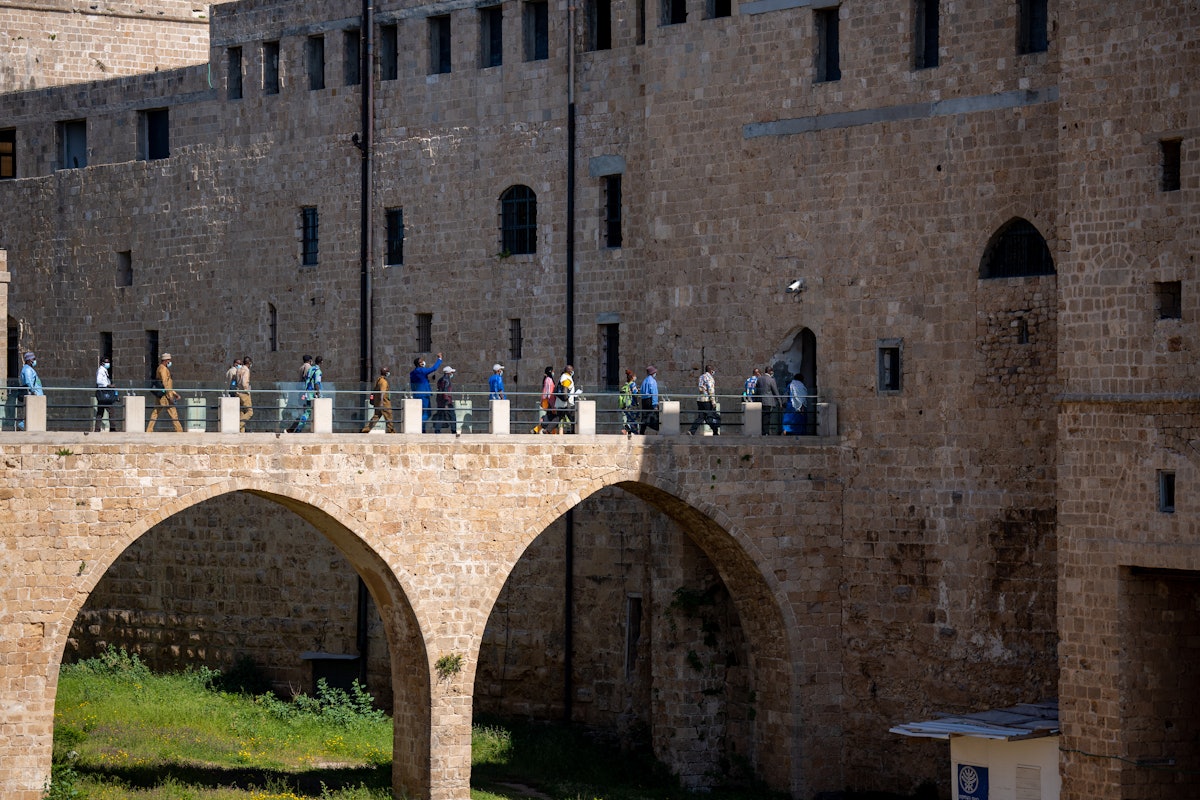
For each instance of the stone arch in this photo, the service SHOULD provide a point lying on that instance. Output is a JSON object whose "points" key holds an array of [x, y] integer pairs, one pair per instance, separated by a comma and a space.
{"points": [[1016, 249], [410, 678], [766, 615], [797, 355]]}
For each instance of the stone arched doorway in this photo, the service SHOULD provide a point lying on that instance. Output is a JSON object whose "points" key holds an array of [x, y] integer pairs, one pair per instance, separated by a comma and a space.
{"points": [[797, 356]]}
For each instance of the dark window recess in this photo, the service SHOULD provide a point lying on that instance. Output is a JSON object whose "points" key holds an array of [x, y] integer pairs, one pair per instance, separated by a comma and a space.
{"points": [[537, 30], [718, 8], [315, 61], [610, 346], [612, 211], [888, 368], [1033, 25], [106, 345], [8, 153], [829, 63], [1022, 331], [439, 45], [157, 124], [633, 633], [14, 358], [491, 36], [518, 221], [516, 340], [125, 268], [270, 67], [1166, 492], [272, 328], [925, 33], [1171, 152], [151, 356], [352, 57], [424, 333], [599, 19], [309, 239], [389, 68], [640, 11], [674, 12], [1016, 250], [1168, 299], [73, 152], [233, 81], [395, 236]]}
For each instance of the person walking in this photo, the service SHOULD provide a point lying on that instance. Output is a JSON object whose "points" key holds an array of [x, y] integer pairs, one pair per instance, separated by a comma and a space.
{"points": [[546, 416], [305, 366], [767, 392], [496, 383], [312, 390], [627, 401], [231, 378], [418, 382], [564, 400], [445, 419], [751, 386], [243, 393], [106, 396], [706, 403], [31, 383], [649, 395], [795, 419], [381, 398], [164, 390]]}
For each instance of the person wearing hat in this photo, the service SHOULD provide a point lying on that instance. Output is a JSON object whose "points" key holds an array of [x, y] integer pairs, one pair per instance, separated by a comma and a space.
{"points": [[496, 383], [445, 402], [418, 382], [546, 418], [164, 390], [649, 400], [381, 398], [30, 382], [564, 402]]}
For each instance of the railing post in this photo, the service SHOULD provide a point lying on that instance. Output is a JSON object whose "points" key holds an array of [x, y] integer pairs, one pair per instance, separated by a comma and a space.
{"points": [[410, 415], [499, 422], [669, 423], [227, 415], [35, 413], [752, 419], [135, 413], [586, 424], [322, 420], [195, 415]]}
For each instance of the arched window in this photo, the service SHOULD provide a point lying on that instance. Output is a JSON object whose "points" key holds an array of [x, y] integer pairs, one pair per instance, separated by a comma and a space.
{"points": [[518, 220], [1016, 250]]}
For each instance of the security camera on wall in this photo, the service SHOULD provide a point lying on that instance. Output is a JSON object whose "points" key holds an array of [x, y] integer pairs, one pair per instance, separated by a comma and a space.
{"points": [[796, 286]]}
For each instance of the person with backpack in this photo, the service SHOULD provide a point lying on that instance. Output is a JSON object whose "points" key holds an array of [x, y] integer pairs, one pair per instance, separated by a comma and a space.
{"points": [[242, 390], [649, 395], [106, 395], [546, 417], [446, 419], [312, 390], [627, 401], [564, 400], [164, 390]]}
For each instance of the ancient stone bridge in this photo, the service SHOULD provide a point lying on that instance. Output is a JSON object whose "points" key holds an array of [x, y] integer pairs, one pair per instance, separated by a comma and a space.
{"points": [[434, 526]]}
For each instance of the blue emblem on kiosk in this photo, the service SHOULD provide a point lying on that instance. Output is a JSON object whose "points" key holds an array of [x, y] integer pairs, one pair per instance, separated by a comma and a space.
{"points": [[972, 782]]}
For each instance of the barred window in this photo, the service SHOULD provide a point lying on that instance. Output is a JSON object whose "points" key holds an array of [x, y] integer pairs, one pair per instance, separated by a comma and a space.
{"points": [[395, 237], [515, 339], [309, 238], [424, 333], [1016, 250], [518, 221]]}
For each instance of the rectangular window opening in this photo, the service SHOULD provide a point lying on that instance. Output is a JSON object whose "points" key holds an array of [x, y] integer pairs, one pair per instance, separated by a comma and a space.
{"points": [[125, 268], [151, 356], [156, 134], [1168, 299], [674, 12], [1171, 151], [106, 345], [8, 153], [537, 30], [309, 239], [599, 20], [925, 34], [315, 62], [633, 632], [515, 339], [491, 36], [610, 353], [439, 45], [270, 67], [424, 333], [233, 80], [829, 66], [1166, 491], [715, 9], [73, 144], [395, 236], [640, 11], [888, 367], [612, 211], [1033, 25], [389, 69], [352, 57]]}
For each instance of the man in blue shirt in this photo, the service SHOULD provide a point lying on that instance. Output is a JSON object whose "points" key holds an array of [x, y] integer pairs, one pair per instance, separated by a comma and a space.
{"points": [[418, 381], [649, 401], [496, 383]]}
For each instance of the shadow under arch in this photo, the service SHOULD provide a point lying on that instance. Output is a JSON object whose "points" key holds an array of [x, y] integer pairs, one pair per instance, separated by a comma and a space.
{"points": [[410, 677], [765, 615]]}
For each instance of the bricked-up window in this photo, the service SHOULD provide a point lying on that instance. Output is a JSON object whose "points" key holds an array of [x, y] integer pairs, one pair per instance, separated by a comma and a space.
{"points": [[515, 339], [829, 60], [233, 78], [395, 236], [8, 153], [925, 33], [537, 30], [518, 221], [612, 211], [599, 24], [1168, 299], [389, 68], [424, 333], [351, 56], [439, 45], [309, 238], [491, 36], [674, 12], [1170, 159], [270, 67], [72, 144], [888, 367], [717, 8], [125, 268], [633, 632], [1166, 492], [315, 61], [1033, 25], [1016, 250], [155, 128]]}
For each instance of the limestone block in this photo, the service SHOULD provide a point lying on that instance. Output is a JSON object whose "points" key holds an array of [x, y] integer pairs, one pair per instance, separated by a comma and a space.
{"points": [[669, 422], [587, 417], [499, 421], [322, 421], [410, 415], [228, 412]]}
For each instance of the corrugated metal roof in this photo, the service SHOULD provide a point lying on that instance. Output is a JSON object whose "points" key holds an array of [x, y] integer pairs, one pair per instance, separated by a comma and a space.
{"points": [[1024, 721]]}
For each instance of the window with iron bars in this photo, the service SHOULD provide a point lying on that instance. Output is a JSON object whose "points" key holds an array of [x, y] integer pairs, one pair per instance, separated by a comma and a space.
{"points": [[518, 221], [309, 240], [515, 339], [424, 333], [395, 237]]}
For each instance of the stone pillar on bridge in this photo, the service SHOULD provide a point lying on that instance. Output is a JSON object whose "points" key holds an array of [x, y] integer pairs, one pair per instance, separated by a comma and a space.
{"points": [[586, 424], [498, 419], [4, 280], [135, 413], [669, 421], [35, 413], [410, 415], [228, 415], [322, 420], [752, 419]]}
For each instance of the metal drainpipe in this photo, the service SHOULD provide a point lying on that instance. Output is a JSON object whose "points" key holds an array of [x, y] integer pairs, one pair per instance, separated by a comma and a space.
{"points": [[569, 559], [366, 299]]}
